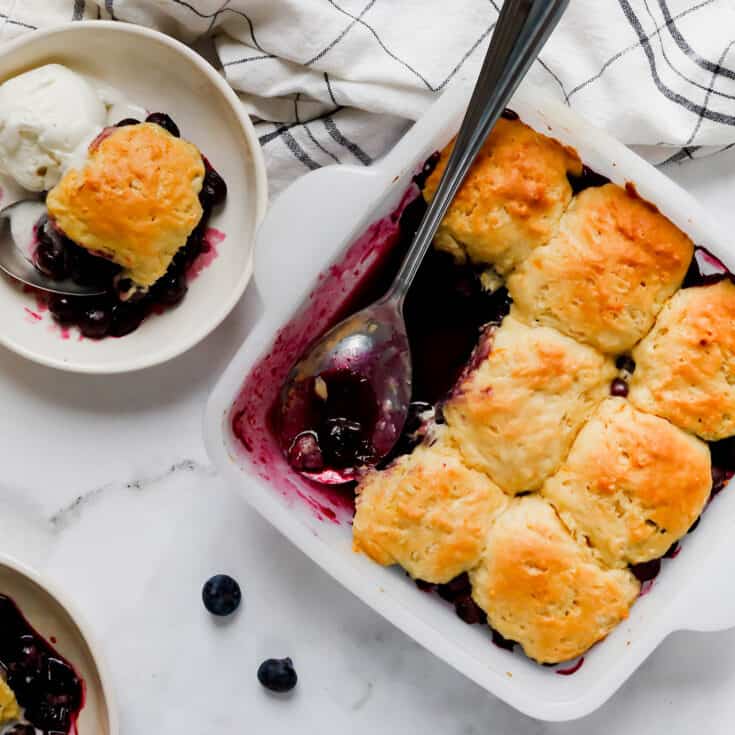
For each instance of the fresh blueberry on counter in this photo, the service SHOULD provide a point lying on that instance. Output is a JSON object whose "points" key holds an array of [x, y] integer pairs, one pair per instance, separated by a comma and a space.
{"points": [[221, 595], [278, 675]]}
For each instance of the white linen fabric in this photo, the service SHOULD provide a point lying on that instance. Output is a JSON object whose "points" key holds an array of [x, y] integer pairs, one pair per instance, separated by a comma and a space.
{"points": [[338, 81]]}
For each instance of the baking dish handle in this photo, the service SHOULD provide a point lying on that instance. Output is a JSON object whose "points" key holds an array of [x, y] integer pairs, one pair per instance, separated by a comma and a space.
{"points": [[710, 598]]}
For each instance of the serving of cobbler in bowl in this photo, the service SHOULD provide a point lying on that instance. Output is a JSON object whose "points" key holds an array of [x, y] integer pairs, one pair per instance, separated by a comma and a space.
{"points": [[131, 152]]}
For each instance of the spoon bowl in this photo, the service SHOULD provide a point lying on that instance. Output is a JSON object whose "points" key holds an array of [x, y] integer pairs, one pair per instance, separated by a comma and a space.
{"points": [[17, 241], [355, 385]]}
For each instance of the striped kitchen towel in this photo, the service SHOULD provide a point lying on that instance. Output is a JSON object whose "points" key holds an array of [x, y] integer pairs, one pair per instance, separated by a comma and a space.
{"points": [[333, 81]]}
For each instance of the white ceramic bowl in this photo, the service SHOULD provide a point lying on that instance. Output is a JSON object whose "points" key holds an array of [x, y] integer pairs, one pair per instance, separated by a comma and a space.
{"points": [[52, 616], [159, 74], [692, 592]]}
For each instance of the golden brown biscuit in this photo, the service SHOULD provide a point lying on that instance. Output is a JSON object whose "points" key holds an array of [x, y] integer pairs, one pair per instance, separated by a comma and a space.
{"points": [[511, 200], [541, 588], [135, 201], [633, 483], [606, 274], [427, 512], [685, 368], [518, 412]]}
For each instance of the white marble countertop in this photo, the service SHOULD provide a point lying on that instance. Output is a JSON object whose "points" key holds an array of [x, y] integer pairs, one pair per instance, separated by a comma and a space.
{"points": [[107, 488]]}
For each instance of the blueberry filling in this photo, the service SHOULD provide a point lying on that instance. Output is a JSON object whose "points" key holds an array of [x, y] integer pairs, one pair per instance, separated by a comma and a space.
{"points": [[45, 684], [587, 180], [328, 421], [120, 309]]}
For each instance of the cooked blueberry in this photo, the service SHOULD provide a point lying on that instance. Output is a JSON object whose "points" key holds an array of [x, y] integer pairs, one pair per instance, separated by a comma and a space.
{"points": [[424, 586], [426, 170], [719, 479], [65, 309], [341, 442], [95, 322], [47, 716], [163, 120], [51, 257], [469, 611], [126, 318], [126, 122], [214, 188], [619, 388], [694, 525], [455, 589], [171, 288], [501, 642], [278, 675], [90, 270], [305, 455], [221, 595], [625, 363], [647, 570]]}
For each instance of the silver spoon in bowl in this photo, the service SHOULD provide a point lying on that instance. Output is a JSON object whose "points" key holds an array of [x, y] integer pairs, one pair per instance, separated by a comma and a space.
{"points": [[17, 232], [362, 366]]}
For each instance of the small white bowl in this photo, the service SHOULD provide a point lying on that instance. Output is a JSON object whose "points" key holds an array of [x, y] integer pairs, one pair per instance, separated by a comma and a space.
{"points": [[159, 74], [51, 616]]}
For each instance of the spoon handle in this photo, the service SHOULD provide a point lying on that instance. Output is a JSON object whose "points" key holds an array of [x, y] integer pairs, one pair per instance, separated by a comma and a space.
{"points": [[522, 29]]}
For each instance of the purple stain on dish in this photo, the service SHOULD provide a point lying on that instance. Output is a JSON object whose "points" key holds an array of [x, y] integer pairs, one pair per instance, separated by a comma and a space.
{"points": [[646, 587], [571, 669], [211, 240]]}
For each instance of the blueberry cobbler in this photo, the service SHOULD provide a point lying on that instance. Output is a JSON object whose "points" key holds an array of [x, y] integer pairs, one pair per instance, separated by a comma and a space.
{"points": [[131, 221], [573, 399], [127, 203], [39, 690]]}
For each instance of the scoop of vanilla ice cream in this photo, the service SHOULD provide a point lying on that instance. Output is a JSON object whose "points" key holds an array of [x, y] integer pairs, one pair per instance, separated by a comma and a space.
{"points": [[47, 117]]}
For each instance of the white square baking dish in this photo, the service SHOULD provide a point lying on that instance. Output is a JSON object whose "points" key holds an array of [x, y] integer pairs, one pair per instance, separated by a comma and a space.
{"points": [[308, 228]]}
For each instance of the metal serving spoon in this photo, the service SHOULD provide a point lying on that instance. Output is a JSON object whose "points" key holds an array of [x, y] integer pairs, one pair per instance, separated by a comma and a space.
{"points": [[17, 223], [366, 358]]}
